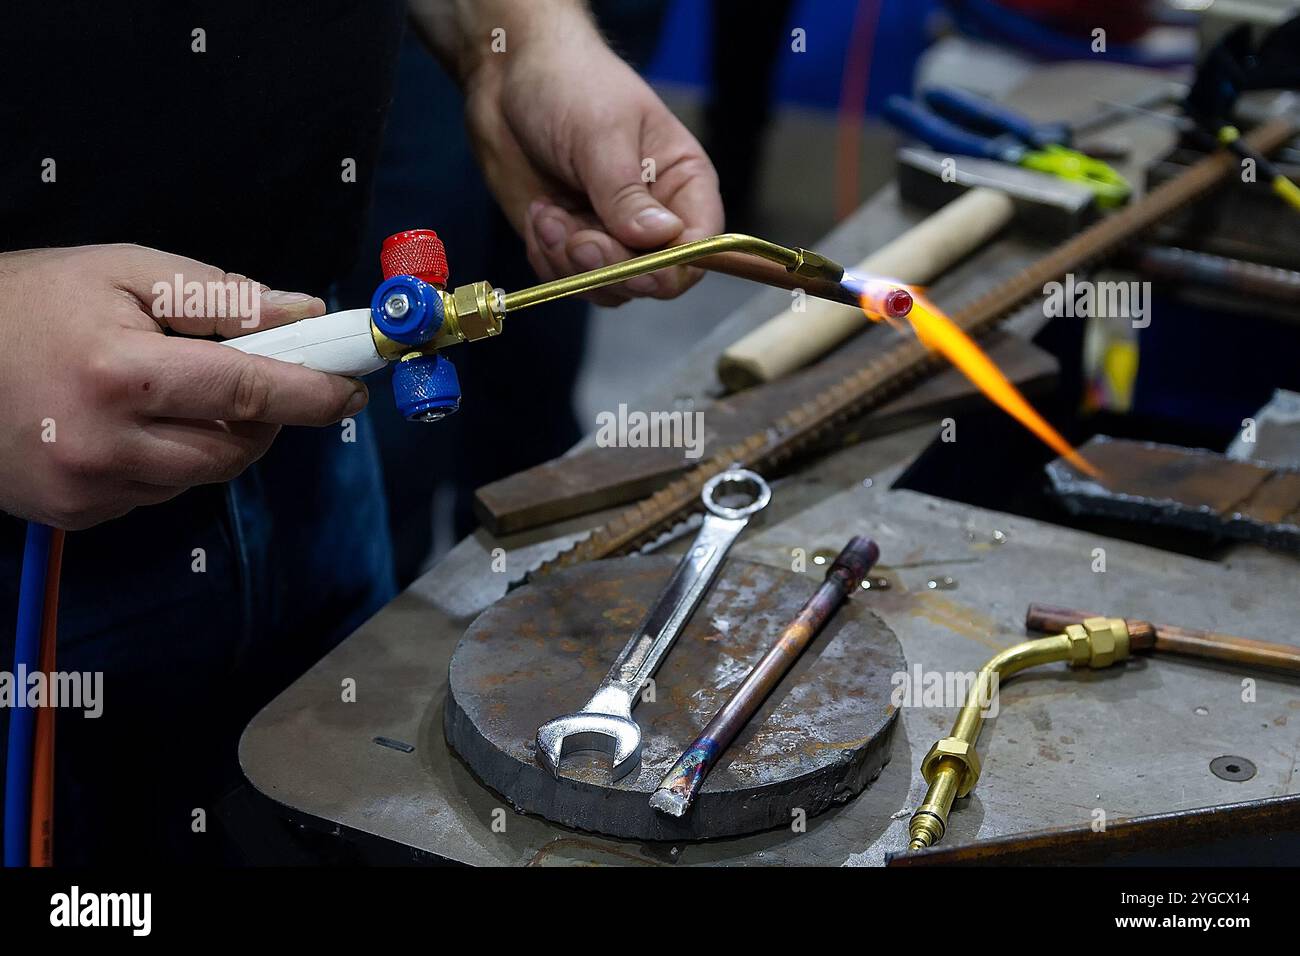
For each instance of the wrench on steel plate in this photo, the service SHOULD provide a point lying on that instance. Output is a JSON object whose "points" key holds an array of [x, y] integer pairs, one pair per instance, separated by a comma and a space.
{"points": [[605, 722]]}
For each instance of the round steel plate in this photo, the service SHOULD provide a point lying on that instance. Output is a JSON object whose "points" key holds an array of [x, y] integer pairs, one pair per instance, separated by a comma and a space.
{"points": [[819, 738]]}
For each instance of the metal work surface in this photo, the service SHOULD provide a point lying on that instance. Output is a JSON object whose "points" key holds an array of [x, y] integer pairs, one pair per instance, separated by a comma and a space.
{"points": [[819, 739], [1062, 747], [1265, 831], [1135, 739]]}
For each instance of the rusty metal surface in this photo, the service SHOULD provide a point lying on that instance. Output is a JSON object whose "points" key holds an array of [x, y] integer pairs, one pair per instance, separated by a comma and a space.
{"points": [[817, 741], [1184, 487], [678, 789], [1054, 755]]}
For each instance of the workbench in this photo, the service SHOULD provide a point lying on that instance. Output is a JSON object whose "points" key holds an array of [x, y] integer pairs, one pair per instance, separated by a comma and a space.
{"points": [[1130, 740]]}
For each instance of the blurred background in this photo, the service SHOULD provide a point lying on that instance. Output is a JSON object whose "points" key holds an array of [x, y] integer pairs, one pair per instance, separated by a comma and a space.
{"points": [[786, 96]]}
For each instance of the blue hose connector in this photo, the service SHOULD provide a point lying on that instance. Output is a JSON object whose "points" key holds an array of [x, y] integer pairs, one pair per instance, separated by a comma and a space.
{"points": [[426, 388], [22, 719], [407, 310]]}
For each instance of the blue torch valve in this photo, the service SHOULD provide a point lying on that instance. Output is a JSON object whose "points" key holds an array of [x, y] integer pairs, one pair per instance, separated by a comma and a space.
{"points": [[426, 388], [407, 310]]}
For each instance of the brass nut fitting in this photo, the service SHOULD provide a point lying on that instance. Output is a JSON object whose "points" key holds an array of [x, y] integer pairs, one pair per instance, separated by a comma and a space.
{"points": [[814, 265], [953, 748], [476, 311], [1098, 642]]}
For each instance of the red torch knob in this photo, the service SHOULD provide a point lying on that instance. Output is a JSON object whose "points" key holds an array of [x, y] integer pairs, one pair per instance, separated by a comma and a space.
{"points": [[415, 252]]}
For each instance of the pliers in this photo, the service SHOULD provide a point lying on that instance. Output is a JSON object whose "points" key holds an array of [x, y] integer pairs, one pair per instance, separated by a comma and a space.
{"points": [[959, 122]]}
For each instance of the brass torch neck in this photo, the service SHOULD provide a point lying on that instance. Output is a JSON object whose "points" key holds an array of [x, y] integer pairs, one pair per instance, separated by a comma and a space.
{"points": [[800, 262], [475, 311], [952, 765]]}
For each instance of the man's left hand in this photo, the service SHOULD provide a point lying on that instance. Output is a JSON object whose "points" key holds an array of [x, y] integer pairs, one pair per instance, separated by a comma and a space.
{"points": [[587, 162]]}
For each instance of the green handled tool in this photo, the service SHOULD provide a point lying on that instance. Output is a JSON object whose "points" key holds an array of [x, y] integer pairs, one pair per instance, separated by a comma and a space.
{"points": [[970, 125]]}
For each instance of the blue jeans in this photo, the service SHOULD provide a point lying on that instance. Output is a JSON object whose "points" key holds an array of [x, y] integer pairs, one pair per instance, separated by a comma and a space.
{"points": [[197, 612]]}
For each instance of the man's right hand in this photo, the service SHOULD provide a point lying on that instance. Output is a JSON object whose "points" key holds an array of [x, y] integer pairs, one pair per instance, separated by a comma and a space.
{"points": [[100, 412]]}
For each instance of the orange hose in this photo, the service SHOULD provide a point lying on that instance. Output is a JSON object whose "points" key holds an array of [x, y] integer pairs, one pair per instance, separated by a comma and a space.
{"points": [[853, 104], [42, 825]]}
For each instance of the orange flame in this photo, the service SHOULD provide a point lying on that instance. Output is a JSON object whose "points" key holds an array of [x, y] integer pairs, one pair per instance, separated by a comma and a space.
{"points": [[940, 334]]}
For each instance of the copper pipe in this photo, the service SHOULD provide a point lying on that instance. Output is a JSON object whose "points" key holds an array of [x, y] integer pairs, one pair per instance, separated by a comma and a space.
{"points": [[680, 785], [769, 273], [1171, 639]]}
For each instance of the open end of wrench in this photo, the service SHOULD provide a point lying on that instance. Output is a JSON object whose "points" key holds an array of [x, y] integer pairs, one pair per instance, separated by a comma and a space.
{"points": [[616, 736]]}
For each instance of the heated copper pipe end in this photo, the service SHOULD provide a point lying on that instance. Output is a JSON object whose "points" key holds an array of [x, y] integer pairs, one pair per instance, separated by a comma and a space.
{"points": [[854, 562], [898, 303]]}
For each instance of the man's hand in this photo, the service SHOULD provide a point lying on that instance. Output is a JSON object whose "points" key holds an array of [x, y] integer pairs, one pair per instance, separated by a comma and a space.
{"points": [[584, 158], [100, 412]]}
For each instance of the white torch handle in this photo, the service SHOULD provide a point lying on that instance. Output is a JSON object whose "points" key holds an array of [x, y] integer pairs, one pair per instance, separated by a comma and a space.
{"points": [[339, 343]]}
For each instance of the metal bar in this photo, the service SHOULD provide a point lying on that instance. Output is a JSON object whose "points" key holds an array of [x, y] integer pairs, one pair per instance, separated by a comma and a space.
{"points": [[1217, 272], [680, 785]]}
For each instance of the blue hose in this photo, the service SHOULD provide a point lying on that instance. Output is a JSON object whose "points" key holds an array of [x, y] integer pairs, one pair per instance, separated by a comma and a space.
{"points": [[22, 719], [998, 24]]}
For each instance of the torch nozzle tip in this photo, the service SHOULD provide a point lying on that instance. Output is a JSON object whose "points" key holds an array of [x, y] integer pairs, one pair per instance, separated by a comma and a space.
{"points": [[898, 303], [880, 297]]}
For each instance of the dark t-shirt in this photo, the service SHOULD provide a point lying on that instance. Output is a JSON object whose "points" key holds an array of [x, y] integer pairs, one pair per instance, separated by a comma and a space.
{"points": [[234, 156], [235, 145]]}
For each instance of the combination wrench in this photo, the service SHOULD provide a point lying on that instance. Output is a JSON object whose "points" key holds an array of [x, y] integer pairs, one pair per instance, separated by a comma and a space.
{"points": [[605, 722]]}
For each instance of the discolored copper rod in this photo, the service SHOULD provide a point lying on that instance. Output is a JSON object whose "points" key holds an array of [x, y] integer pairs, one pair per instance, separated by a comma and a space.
{"points": [[891, 299], [680, 785], [773, 274], [1171, 639]]}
